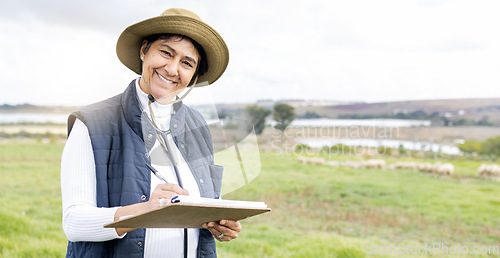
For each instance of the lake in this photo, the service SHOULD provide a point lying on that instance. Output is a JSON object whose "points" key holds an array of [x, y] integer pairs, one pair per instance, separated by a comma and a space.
{"points": [[19, 118], [324, 122], [16, 118], [394, 144]]}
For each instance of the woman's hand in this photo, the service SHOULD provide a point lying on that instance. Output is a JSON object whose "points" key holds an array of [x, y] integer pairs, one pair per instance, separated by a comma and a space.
{"points": [[224, 230], [163, 193]]}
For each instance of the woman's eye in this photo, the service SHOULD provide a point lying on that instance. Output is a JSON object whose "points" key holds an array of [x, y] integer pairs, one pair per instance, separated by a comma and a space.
{"points": [[188, 64], [166, 53]]}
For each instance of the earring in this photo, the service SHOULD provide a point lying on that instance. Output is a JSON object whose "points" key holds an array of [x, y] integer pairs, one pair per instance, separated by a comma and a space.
{"points": [[142, 58]]}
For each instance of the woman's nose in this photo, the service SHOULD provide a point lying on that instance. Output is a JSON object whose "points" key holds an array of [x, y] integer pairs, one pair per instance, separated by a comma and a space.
{"points": [[172, 69]]}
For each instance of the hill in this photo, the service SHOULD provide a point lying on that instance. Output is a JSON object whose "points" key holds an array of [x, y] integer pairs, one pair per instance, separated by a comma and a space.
{"points": [[486, 109], [29, 108], [478, 111]]}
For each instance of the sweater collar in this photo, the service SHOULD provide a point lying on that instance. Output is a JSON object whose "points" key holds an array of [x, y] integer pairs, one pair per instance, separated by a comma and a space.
{"points": [[131, 107], [159, 110]]}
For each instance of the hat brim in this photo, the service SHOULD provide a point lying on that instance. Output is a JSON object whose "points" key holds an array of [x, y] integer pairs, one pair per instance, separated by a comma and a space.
{"points": [[217, 53]]}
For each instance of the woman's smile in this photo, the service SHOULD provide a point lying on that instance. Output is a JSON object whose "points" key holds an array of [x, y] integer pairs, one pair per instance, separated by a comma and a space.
{"points": [[164, 79], [168, 67]]}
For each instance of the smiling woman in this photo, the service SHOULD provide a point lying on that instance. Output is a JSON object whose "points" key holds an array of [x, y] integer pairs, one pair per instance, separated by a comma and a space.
{"points": [[202, 65], [170, 64], [113, 145]]}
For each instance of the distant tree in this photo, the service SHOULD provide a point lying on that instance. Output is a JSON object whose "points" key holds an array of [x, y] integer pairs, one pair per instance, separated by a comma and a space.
{"points": [[402, 150], [223, 114], [434, 115], [461, 122], [257, 116], [471, 146], [283, 114], [484, 121], [302, 148], [446, 121], [419, 114], [384, 150], [492, 146], [401, 115], [310, 115]]}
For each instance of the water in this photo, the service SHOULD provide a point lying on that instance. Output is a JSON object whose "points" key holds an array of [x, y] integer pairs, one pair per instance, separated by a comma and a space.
{"points": [[394, 144], [17, 118], [13, 118], [325, 122]]}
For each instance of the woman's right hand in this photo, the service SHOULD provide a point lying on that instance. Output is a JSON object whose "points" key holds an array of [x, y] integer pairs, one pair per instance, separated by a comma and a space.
{"points": [[163, 193]]}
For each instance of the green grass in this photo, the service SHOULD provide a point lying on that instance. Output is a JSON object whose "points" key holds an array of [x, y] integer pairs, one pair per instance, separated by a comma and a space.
{"points": [[318, 211], [30, 214], [339, 210]]}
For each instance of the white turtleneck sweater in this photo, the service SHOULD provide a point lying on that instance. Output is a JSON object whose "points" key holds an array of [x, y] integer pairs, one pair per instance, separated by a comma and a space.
{"points": [[83, 220]]}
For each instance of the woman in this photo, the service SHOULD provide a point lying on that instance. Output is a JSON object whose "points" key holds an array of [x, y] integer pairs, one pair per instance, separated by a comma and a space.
{"points": [[105, 166]]}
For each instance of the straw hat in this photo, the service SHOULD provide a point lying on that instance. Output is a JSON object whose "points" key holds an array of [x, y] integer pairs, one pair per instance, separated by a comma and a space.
{"points": [[175, 21]]}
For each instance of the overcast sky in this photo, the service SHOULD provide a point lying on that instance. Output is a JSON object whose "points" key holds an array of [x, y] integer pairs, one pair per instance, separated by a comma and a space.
{"points": [[63, 52]]}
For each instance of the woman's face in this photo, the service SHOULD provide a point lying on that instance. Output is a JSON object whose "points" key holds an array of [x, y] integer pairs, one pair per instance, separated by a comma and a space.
{"points": [[168, 67]]}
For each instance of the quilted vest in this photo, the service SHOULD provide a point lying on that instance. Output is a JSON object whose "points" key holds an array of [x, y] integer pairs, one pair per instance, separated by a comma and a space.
{"points": [[121, 142]]}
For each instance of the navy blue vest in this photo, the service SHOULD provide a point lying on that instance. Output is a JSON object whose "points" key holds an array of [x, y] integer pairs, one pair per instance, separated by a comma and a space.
{"points": [[120, 155]]}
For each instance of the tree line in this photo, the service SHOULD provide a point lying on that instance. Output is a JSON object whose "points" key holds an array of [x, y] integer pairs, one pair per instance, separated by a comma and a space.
{"points": [[283, 114], [489, 147]]}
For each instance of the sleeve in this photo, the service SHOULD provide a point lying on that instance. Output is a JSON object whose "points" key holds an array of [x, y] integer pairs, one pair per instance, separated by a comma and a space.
{"points": [[82, 219]]}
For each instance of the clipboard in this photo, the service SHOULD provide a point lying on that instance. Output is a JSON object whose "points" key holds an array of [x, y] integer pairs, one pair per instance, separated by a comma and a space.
{"points": [[180, 215]]}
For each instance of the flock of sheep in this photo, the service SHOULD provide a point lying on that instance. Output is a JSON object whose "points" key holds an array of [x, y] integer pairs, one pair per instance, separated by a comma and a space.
{"points": [[446, 169], [371, 163]]}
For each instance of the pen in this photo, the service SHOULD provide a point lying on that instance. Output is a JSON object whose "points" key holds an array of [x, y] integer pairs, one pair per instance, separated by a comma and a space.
{"points": [[156, 173]]}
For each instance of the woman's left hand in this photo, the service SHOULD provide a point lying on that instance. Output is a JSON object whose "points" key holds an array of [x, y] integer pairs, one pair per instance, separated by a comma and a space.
{"points": [[224, 230]]}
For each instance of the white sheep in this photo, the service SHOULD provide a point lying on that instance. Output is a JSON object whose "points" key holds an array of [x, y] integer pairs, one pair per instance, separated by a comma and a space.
{"points": [[381, 163], [435, 168], [445, 169], [495, 170], [374, 163], [332, 163], [350, 164], [316, 161], [405, 165], [483, 170], [311, 160], [489, 170], [424, 167]]}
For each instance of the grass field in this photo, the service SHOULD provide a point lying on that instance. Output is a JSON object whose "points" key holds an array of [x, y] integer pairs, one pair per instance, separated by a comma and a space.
{"points": [[318, 211], [30, 214]]}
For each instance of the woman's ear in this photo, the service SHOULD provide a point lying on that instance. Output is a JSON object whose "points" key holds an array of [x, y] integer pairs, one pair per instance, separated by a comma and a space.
{"points": [[142, 51]]}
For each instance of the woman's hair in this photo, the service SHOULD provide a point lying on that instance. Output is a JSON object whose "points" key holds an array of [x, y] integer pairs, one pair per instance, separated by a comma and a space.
{"points": [[202, 66]]}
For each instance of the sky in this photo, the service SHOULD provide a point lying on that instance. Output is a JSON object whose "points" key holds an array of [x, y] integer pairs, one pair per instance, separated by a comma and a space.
{"points": [[64, 52]]}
